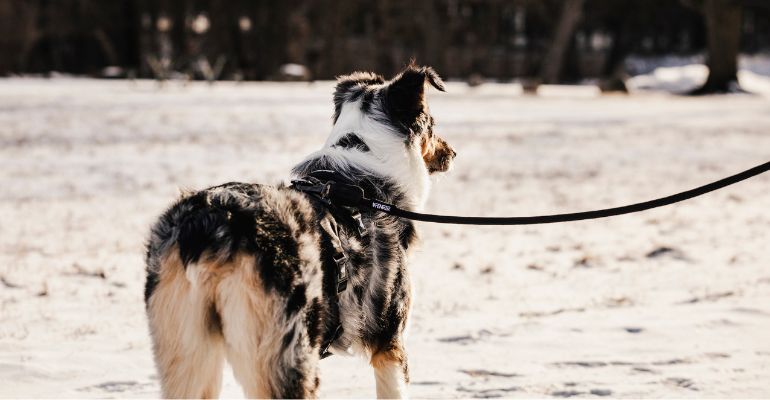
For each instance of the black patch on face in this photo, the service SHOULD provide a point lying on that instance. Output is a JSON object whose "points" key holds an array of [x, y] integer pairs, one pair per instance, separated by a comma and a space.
{"points": [[352, 141]]}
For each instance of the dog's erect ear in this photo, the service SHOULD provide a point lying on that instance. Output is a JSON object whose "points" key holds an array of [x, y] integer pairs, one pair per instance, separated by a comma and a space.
{"points": [[406, 92], [349, 87], [434, 79]]}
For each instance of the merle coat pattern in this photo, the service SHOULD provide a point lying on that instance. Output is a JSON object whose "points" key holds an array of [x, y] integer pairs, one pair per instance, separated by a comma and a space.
{"points": [[244, 272]]}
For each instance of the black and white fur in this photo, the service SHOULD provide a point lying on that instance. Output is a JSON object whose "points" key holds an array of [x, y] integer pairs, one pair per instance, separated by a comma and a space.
{"points": [[244, 272]]}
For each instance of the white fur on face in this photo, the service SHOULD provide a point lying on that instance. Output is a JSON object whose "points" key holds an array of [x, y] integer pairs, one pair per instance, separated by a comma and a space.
{"points": [[389, 155]]}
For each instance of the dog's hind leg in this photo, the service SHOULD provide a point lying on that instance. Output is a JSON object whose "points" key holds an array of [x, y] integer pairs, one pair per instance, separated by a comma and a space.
{"points": [[391, 373], [187, 339], [266, 347]]}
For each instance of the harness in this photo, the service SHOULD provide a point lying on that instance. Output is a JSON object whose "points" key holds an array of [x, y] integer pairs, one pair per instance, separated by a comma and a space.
{"points": [[343, 199], [316, 185]]}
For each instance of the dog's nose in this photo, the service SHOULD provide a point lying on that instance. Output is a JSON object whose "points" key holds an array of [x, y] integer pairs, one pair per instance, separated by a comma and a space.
{"points": [[454, 153]]}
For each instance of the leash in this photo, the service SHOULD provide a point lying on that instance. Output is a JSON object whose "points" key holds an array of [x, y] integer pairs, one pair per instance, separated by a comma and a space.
{"points": [[348, 195]]}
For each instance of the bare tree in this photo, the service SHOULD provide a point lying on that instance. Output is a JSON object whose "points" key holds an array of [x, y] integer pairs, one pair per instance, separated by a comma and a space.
{"points": [[553, 63], [18, 33]]}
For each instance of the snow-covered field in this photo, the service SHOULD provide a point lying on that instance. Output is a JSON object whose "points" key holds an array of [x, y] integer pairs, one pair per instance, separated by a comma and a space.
{"points": [[669, 303]]}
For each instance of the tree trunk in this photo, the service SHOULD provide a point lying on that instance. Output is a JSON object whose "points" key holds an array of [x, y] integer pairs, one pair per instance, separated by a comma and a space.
{"points": [[335, 14], [614, 72], [17, 33], [723, 25], [553, 63]]}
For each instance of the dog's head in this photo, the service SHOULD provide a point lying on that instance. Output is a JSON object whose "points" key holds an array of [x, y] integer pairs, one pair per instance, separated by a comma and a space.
{"points": [[390, 118]]}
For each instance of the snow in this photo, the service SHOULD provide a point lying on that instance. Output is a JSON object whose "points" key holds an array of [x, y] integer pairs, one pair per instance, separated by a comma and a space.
{"points": [[684, 74], [673, 302]]}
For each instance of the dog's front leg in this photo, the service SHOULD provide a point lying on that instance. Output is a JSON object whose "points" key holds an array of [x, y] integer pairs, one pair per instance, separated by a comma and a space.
{"points": [[391, 373]]}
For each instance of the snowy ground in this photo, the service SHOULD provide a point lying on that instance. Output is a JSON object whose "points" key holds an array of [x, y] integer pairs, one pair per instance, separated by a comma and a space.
{"points": [[669, 303]]}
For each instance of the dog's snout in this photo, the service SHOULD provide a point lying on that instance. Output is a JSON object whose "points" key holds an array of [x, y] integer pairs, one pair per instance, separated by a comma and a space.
{"points": [[453, 153]]}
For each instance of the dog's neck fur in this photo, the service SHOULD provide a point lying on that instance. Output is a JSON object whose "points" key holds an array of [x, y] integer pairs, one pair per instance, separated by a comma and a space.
{"points": [[388, 155]]}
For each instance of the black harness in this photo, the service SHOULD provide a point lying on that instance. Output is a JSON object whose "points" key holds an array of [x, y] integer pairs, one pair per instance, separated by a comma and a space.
{"points": [[343, 199], [316, 185]]}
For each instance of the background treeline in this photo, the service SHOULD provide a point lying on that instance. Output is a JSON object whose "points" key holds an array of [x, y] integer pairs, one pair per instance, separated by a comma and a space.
{"points": [[546, 40]]}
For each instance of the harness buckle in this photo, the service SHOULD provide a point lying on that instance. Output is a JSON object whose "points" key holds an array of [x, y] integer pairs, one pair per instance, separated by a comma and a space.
{"points": [[342, 274], [362, 232]]}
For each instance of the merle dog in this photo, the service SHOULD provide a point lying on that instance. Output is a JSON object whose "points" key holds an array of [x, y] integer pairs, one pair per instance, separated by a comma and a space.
{"points": [[252, 273]]}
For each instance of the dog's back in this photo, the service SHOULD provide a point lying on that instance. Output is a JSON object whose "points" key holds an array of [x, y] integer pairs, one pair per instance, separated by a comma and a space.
{"points": [[233, 272]]}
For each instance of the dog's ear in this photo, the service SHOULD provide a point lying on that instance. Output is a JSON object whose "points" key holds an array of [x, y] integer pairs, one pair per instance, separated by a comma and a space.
{"points": [[406, 92], [352, 85]]}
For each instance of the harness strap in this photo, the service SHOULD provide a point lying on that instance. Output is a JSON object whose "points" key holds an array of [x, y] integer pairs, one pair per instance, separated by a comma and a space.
{"points": [[326, 346], [339, 257], [340, 277], [350, 217]]}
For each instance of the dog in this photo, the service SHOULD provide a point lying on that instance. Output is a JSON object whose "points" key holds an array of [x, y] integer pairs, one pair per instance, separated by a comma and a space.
{"points": [[271, 278]]}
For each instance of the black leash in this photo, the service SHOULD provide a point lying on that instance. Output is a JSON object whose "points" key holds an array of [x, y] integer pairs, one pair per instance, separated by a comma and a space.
{"points": [[347, 195]]}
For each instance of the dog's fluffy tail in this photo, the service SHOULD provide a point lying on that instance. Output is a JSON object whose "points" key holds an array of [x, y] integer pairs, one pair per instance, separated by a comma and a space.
{"points": [[212, 223]]}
